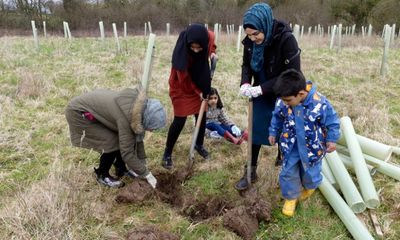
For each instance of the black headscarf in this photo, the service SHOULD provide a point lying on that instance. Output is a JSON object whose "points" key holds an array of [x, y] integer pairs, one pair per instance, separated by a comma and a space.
{"points": [[199, 70]]}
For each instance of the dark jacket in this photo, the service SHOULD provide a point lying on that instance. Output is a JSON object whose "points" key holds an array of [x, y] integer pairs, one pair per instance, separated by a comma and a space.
{"points": [[283, 53], [118, 124]]}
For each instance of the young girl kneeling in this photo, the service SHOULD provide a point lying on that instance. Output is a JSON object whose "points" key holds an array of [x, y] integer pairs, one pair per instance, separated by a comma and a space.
{"points": [[218, 123]]}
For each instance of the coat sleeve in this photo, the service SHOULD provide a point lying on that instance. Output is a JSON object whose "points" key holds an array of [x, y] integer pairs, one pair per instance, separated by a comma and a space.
{"points": [[212, 47], [131, 151], [276, 120], [331, 123], [247, 73], [224, 119], [290, 58]]}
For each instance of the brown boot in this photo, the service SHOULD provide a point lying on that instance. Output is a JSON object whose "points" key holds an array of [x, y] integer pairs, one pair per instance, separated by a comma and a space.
{"points": [[228, 136]]}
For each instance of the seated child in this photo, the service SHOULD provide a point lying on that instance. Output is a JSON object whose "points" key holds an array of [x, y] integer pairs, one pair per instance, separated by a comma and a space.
{"points": [[219, 124], [309, 128]]}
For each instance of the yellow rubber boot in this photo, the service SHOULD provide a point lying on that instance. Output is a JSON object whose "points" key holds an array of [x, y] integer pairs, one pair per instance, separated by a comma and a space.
{"points": [[306, 193], [288, 207]]}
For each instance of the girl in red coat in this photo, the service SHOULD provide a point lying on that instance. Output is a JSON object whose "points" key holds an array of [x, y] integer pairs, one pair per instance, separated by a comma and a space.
{"points": [[189, 84]]}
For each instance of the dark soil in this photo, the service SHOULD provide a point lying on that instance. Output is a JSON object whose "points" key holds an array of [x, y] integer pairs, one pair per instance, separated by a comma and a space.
{"points": [[244, 219], [201, 210], [150, 233], [241, 217], [136, 192]]}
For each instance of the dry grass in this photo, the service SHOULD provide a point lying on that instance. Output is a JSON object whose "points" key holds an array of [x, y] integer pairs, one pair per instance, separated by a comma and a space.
{"points": [[48, 191]]}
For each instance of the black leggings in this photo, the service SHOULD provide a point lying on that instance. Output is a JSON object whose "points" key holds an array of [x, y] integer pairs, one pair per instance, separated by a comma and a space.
{"points": [[175, 129], [108, 159], [255, 150]]}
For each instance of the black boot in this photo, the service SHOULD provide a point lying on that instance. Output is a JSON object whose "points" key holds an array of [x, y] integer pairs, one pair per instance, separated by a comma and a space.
{"points": [[167, 161], [202, 151], [242, 184]]}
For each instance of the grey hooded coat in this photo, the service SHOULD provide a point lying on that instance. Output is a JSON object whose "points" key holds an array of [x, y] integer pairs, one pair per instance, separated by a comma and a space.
{"points": [[117, 125]]}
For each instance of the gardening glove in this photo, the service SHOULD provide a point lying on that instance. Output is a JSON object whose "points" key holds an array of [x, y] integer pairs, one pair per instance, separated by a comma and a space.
{"points": [[255, 91], [236, 131], [244, 90], [151, 180]]}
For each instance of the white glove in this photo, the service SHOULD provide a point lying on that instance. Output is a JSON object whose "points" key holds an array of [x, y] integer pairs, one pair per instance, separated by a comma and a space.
{"points": [[151, 180], [132, 174], [255, 91], [236, 131], [244, 90]]}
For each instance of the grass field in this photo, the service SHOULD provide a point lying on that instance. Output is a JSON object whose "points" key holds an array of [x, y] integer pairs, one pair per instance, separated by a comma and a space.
{"points": [[47, 187]]}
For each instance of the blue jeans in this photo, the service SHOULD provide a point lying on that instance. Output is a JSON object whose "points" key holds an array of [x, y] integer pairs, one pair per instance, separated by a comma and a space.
{"points": [[219, 127]]}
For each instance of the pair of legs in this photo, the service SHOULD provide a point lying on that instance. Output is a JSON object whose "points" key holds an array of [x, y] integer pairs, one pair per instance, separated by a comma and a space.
{"points": [[173, 133], [226, 132], [220, 128], [109, 159], [297, 181]]}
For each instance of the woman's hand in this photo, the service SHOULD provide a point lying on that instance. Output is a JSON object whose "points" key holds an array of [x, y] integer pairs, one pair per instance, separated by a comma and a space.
{"points": [[151, 180], [244, 90], [202, 97], [213, 55], [255, 91]]}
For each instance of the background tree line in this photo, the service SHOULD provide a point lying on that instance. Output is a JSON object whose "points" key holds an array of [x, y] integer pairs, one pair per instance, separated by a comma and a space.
{"points": [[85, 14]]}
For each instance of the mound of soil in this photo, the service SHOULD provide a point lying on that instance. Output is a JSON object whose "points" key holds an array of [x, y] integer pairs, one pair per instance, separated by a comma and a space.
{"points": [[168, 189], [241, 222], [150, 233], [244, 219], [202, 210], [136, 192]]}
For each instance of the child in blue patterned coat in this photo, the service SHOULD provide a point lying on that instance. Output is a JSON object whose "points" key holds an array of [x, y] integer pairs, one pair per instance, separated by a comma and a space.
{"points": [[308, 127]]}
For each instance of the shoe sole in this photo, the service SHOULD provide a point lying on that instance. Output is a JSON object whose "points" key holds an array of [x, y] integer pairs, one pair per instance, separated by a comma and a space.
{"points": [[288, 214], [106, 185]]}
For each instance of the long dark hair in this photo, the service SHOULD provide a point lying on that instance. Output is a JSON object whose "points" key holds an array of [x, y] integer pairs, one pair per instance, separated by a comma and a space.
{"points": [[214, 91]]}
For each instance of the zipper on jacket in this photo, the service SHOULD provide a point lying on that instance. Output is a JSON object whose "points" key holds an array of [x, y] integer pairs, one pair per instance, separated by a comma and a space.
{"points": [[287, 61]]}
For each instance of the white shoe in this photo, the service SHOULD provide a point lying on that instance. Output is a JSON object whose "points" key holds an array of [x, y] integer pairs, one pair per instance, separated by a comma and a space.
{"points": [[215, 135], [110, 181]]}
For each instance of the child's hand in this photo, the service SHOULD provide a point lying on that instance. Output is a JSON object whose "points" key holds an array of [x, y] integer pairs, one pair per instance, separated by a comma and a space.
{"points": [[236, 131], [271, 140], [330, 147]]}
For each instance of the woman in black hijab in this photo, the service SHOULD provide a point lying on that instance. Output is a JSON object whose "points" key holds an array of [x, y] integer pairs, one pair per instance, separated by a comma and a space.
{"points": [[189, 84]]}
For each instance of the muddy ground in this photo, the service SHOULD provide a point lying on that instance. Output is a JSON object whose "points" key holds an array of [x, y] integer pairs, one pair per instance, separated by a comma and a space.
{"points": [[241, 216]]}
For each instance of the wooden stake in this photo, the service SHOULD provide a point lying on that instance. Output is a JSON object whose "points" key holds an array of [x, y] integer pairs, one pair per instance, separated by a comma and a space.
{"points": [[375, 221]]}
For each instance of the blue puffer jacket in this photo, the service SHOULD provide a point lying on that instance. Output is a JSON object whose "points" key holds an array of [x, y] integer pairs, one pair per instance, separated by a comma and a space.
{"points": [[311, 124]]}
